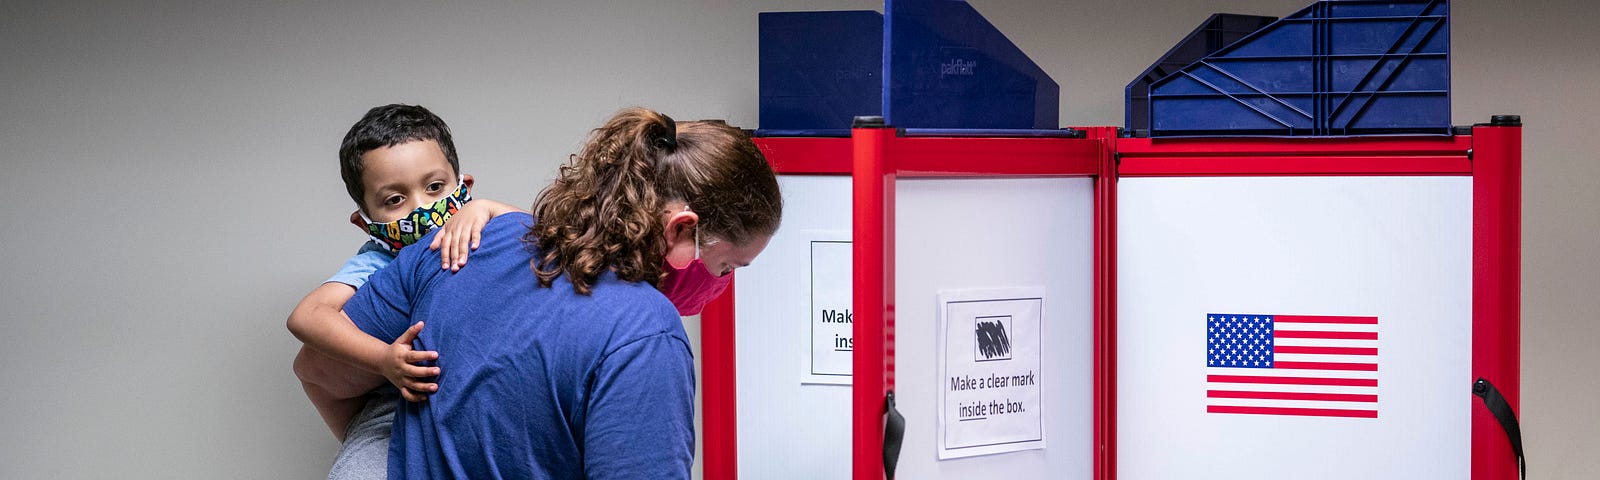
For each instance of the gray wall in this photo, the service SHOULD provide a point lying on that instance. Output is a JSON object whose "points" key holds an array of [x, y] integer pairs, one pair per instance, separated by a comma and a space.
{"points": [[170, 187]]}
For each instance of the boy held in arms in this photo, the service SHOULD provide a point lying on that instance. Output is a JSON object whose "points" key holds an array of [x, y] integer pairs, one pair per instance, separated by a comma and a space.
{"points": [[399, 165]]}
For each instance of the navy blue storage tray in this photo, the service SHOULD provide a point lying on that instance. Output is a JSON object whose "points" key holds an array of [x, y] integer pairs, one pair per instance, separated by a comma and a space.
{"points": [[923, 64], [1351, 67], [1217, 32], [819, 70]]}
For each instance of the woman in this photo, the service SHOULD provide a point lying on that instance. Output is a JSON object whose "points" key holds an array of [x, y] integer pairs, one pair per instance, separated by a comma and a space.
{"points": [[560, 349]]}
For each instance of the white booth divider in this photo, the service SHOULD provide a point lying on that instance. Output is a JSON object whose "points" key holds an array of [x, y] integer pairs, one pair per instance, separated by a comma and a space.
{"points": [[791, 425], [1387, 258], [977, 235]]}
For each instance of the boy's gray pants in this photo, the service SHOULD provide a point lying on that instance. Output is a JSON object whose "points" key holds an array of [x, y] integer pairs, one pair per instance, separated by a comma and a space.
{"points": [[365, 454]]}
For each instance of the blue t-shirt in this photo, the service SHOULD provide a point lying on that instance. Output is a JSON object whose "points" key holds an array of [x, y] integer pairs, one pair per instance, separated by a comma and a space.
{"points": [[372, 257], [536, 382]]}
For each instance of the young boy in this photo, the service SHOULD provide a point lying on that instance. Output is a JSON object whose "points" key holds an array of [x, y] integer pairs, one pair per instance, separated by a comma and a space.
{"points": [[399, 165]]}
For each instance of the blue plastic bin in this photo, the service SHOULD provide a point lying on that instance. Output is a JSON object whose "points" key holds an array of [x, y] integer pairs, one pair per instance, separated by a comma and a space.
{"points": [[1217, 32], [818, 70], [1352, 67], [949, 68], [928, 66]]}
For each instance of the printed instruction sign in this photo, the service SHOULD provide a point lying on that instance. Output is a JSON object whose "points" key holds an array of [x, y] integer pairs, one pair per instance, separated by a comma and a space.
{"points": [[991, 372], [832, 323]]}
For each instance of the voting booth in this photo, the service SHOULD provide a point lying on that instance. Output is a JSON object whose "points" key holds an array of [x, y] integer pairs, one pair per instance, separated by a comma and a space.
{"points": [[1316, 275], [976, 304], [929, 270], [977, 214], [1323, 303], [1287, 264]]}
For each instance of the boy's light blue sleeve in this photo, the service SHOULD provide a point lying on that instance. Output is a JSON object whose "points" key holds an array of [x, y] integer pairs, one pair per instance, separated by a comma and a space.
{"points": [[366, 262]]}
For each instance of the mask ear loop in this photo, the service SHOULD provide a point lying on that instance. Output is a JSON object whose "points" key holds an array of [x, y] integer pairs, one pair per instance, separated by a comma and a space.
{"points": [[696, 235]]}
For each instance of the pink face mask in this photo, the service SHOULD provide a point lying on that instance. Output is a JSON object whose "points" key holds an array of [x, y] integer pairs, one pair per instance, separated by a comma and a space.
{"points": [[690, 288]]}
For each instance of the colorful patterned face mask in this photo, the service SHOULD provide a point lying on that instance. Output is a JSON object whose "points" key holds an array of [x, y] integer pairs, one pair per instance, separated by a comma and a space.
{"points": [[413, 226]]}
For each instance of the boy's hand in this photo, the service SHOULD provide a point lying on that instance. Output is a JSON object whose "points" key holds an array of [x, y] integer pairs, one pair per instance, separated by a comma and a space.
{"points": [[400, 368], [461, 233]]}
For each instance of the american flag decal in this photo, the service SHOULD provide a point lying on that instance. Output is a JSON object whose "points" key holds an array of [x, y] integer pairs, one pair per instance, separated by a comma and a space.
{"points": [[1320, 366]]}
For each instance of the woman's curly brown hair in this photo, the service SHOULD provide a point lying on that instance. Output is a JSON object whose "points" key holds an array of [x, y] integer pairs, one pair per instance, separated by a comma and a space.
{"points": [[606, 206]]}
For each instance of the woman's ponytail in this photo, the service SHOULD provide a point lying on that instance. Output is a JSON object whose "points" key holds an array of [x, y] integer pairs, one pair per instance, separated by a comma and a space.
{"points": [[602, 211]]}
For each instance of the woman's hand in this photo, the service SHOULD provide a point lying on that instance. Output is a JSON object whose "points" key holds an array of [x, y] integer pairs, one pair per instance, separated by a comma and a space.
{"points": [[416, 382]]}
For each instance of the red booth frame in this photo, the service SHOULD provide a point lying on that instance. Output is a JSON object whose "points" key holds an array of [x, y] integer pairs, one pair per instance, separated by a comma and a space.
{"points": [[876, 157], [1491, 155]]}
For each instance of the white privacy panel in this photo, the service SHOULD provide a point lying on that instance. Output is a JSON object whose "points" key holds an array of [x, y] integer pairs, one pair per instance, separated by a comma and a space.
{"points": [[971, 236], [790, 425], [1294, 327]]}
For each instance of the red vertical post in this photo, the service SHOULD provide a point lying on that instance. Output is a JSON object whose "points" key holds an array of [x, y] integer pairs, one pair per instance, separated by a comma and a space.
{"points": [[872, 281], [718, 392], [1496, 288], [1105, 305]]}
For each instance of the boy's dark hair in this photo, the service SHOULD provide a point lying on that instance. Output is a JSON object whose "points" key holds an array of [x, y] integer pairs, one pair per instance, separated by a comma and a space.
{"points": [[387, 126]]}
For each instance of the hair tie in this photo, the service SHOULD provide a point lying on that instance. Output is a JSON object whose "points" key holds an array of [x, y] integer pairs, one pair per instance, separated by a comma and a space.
{"points": [[669, 139]]}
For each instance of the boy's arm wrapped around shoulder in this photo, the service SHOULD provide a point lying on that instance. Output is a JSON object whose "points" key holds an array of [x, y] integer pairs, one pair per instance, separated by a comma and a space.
{"points": [[463, 230], [350, 362]]}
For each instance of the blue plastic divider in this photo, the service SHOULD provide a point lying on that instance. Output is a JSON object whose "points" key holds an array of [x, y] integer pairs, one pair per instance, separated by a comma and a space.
{"points": [[933, 67], [1217, 32], [949, 68], [819, 70], [1338, 67]]}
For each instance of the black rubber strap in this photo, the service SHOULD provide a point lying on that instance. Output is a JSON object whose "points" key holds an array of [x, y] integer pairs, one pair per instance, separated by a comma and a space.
{"points": [[1508, 419], [894, 431]]}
